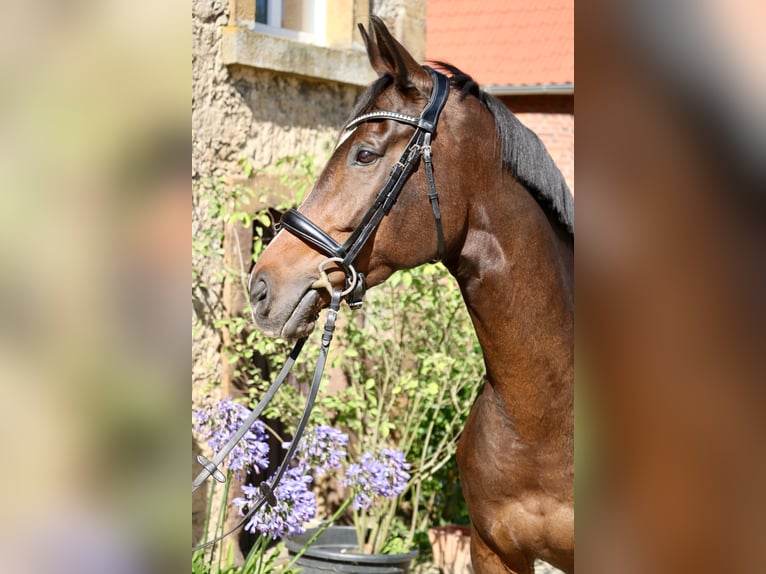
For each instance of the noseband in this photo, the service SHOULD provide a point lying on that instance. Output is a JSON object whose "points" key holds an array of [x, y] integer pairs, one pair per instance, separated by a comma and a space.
{"points": [[419, 144]]}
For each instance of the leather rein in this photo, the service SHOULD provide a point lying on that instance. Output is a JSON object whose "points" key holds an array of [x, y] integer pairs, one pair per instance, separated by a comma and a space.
{"points": [[344, 255]]}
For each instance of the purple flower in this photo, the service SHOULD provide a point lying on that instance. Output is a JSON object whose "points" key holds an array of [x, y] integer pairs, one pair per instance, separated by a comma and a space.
{"points": [[382, 473], [295, 505], [322, 449], [217, 423]]}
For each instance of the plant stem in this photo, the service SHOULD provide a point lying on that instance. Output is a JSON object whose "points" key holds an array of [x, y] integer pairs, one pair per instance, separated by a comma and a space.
{"points": [[222, 515], [206, 530], [360, 521], [384, 525], [262, 548], [374, 531], [318, 533], [249, 566], [424, 521], [415, 505]]}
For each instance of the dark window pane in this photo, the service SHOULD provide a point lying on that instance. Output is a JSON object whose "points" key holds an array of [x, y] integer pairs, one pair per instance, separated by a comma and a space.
{"points": [[261, 11]]}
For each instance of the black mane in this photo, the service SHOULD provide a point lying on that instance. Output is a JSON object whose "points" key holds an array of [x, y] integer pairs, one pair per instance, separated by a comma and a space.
{"points": [[522, 152]]}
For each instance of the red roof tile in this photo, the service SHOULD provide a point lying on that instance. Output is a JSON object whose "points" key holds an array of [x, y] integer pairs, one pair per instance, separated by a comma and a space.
{"points": [[504, 42]]}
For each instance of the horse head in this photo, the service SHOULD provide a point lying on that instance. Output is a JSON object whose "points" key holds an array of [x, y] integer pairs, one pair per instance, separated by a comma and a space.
{"points": [[283, 284]]}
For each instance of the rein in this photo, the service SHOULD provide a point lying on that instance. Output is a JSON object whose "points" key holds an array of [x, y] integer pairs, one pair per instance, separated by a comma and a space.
{"points": [[344, 255], [210, 467]]}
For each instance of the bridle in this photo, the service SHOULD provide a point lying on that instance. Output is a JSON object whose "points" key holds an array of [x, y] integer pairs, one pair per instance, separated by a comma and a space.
{"points": [[344, 256]]}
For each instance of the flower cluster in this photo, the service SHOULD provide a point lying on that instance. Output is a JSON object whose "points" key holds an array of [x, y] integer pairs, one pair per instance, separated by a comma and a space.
{"points": [[322, 449], [295, 505], [216, 425], [382, 473]]}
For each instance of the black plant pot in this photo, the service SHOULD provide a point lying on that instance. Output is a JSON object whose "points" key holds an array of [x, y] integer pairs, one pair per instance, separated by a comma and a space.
{"points": [[333, 552]]}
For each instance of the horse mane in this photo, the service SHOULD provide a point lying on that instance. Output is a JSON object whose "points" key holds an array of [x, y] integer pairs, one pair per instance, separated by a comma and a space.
{"points": [[523, 154]]}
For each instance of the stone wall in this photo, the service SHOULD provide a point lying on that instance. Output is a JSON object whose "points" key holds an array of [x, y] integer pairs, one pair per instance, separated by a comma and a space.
{"points": [[407, 22], [261, 113], [242, 112], [245, 112]]}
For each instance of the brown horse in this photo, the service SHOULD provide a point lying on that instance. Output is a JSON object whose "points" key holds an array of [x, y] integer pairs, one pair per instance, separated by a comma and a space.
{"points": [[507, 235]]}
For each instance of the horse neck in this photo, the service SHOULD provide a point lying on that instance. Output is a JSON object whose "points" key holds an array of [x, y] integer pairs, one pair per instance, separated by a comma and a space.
{"points": [[515, 273]]}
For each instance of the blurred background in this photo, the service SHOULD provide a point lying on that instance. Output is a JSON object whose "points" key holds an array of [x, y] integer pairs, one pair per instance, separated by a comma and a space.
{"points": [[670, 279], [95, 259], [94, 268]]}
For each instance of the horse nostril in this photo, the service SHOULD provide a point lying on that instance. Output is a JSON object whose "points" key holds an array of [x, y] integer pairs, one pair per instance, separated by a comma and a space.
{"points": [[259, 292]]}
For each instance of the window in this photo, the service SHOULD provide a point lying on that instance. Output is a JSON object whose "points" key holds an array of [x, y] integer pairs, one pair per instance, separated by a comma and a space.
{"points": [[320, 38], [303, 20], [263, 14]]}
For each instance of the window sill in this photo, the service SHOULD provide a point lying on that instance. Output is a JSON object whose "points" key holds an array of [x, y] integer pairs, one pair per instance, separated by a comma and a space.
{"points": [[246, 47]]}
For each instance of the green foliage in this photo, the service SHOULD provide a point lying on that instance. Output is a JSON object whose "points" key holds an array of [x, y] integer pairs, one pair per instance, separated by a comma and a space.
{"points": [[256, 562], [414, 367], [217, 203], [298, 172], [214, 203]]}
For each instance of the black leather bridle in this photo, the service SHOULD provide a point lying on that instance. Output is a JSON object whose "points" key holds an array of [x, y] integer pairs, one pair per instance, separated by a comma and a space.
{"points": [[419, 144]]}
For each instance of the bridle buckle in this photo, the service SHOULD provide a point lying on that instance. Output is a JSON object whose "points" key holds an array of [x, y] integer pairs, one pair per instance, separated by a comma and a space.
{"points": [[355, 298]]}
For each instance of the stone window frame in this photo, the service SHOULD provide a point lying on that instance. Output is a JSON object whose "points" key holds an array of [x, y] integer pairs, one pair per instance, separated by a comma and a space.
{"points": [[341, 59], [274, 21]]}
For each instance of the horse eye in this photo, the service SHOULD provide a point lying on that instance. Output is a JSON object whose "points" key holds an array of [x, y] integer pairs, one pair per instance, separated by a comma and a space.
{"points": [[365, 157]]}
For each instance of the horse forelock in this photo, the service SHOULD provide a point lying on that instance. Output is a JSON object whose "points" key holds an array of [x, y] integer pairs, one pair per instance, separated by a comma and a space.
{"points": [[368, 97]]}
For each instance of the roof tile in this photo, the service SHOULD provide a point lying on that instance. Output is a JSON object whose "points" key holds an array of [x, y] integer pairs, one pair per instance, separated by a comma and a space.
{"points": [[504, 42]]}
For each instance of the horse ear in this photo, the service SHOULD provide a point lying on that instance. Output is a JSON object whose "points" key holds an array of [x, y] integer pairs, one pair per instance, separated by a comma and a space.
{"points": [[387, 55], [372, 52]]}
